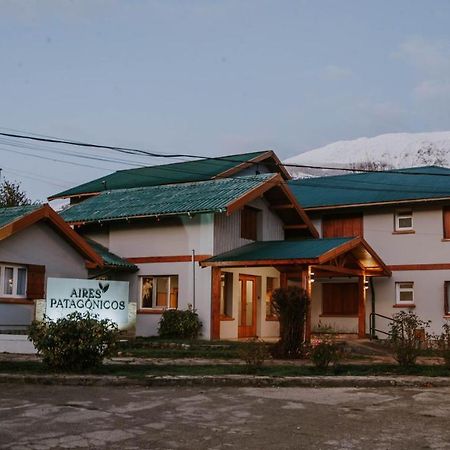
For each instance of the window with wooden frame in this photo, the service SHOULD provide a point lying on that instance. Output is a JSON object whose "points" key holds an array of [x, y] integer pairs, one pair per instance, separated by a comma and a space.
{"points": [[249, 223], [340, 299], [13, 280], [226, 295], [272, 283], [446, 298], [159, 292], [404, 293], [446, 221], [404, 220]]}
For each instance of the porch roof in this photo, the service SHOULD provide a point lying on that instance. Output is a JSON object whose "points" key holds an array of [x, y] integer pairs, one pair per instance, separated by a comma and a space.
{"points": [[302, 252]]}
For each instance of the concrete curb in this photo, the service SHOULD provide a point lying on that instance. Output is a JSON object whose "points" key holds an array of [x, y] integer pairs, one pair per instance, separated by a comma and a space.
{"points": [[229, 380]]}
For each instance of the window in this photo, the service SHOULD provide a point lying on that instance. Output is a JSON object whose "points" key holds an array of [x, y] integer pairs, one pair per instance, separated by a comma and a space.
{"points": [[249, 223], [159, 292], [404, 292], [271, 285], [226, 294], [404, 220], [340, 299], [446, 219], [13, 281]]}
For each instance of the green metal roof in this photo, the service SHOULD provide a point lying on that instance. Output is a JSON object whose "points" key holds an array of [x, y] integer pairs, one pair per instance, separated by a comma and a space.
{"points": [[200, 197], [280, 250], [181, 172], [12, 213], [111, 259], [429, 182]]}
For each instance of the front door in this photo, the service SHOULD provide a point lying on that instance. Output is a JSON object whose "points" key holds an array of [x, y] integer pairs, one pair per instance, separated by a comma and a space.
{"points": [[247, 307]]}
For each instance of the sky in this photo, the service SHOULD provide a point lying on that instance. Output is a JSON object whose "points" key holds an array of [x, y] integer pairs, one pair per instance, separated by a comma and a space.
{"points": [[212, 78]]}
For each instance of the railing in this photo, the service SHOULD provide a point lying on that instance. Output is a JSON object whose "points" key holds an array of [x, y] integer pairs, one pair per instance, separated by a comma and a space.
{"points": [[374, 330]]}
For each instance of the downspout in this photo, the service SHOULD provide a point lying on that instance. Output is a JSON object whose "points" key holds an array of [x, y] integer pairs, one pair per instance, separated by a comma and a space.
{"points": [[193, 279], [372, 295]]}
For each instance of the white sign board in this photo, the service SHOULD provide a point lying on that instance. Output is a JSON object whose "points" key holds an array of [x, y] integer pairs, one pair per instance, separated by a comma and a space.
{"points": [[107, 299]]}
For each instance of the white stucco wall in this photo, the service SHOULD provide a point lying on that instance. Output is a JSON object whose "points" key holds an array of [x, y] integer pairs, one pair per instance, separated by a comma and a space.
{"points": [[39, 244], [173, 237], [424, 246], [264, 328]]}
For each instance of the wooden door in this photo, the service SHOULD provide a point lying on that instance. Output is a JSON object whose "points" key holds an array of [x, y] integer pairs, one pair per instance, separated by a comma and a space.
{"points": [[247, 307]]}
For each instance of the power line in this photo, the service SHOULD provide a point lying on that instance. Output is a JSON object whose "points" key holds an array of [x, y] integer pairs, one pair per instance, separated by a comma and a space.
{"points": [[134, 151]]}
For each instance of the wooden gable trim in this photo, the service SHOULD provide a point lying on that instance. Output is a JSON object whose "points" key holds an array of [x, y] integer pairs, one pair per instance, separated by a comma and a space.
{"points": [[253, 194], [348, 246], [269, 154], [275, 181], [299, 209], [47, 213]]}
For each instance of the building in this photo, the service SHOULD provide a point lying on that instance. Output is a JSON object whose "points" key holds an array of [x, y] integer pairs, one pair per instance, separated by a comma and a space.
{"points": [[405, 216], [35, 244], [220, 235]]}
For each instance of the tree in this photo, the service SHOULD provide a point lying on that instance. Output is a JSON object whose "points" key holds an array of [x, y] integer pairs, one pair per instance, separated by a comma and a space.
{"points": [[11, 194], [291, 304]]}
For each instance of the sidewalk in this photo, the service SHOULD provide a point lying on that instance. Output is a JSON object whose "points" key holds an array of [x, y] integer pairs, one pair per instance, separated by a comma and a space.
{"points": [[225, 380]]}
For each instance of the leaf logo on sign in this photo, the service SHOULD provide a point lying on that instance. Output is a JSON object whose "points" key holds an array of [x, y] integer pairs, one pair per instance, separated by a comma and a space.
{"points": [[104, 287]]}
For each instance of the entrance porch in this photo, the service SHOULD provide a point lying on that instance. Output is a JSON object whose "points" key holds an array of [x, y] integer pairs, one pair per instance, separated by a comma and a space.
{"points": [[335, 272]]}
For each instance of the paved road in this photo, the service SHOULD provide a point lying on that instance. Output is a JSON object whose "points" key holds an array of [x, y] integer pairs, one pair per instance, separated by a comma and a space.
{"points": [[42, 417]]}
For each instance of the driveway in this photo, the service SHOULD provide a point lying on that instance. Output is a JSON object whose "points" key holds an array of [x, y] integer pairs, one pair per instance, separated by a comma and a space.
{"points": [[43, 417]]}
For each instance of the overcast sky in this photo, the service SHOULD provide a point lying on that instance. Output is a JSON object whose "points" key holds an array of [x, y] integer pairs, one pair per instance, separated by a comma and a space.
{"points": [[214, 77]]}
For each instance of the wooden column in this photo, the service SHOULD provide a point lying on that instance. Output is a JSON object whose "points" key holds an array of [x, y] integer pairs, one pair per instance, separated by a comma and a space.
{"points": [[306, 285], [283, 280], [362, 307], [215, 302]]}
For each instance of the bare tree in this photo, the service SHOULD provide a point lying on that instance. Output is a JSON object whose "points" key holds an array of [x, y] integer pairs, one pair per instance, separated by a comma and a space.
{"points": [[11, 194]]}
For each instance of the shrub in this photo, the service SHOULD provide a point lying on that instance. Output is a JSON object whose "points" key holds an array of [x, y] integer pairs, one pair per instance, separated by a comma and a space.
{"points": [[290, 305], [74, 343], [325, 352], [444, 343], [179, 324], [254, 352], [407, 332]]}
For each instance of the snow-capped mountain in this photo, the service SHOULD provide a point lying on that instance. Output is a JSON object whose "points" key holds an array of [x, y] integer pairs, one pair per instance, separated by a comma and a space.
{"points": [[394, 150]]}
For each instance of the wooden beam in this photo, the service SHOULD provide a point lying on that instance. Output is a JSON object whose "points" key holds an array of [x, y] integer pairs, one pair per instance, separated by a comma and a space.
{"points": [[165, 259], [339, 270], [302, 226], [284, 206], [215, 303], [361, 307], [306, 285]]}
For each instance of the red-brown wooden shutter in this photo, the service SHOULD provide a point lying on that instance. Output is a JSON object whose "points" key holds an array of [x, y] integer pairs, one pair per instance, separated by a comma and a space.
{"points": [[446, 217], [350, 225], [35, 281], [249, 223], [340, 299]]}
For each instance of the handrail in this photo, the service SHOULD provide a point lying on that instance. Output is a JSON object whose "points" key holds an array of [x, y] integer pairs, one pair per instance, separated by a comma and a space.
{"points": [[374, 330]]}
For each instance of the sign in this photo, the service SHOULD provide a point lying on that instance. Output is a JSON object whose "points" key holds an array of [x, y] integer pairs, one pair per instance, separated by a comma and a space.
{"points": [[107, 299]]}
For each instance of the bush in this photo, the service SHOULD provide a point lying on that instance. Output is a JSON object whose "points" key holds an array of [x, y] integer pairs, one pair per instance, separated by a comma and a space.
{"points": [[444, 343], [179, 324], [254, 353], [76, 342], [325, 352], [291, 305], [406, 337]]}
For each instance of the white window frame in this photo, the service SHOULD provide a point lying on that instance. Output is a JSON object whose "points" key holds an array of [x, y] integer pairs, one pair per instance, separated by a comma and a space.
{"points": [[154, 292], [15, 268], [399, 289], [404, 214]]}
